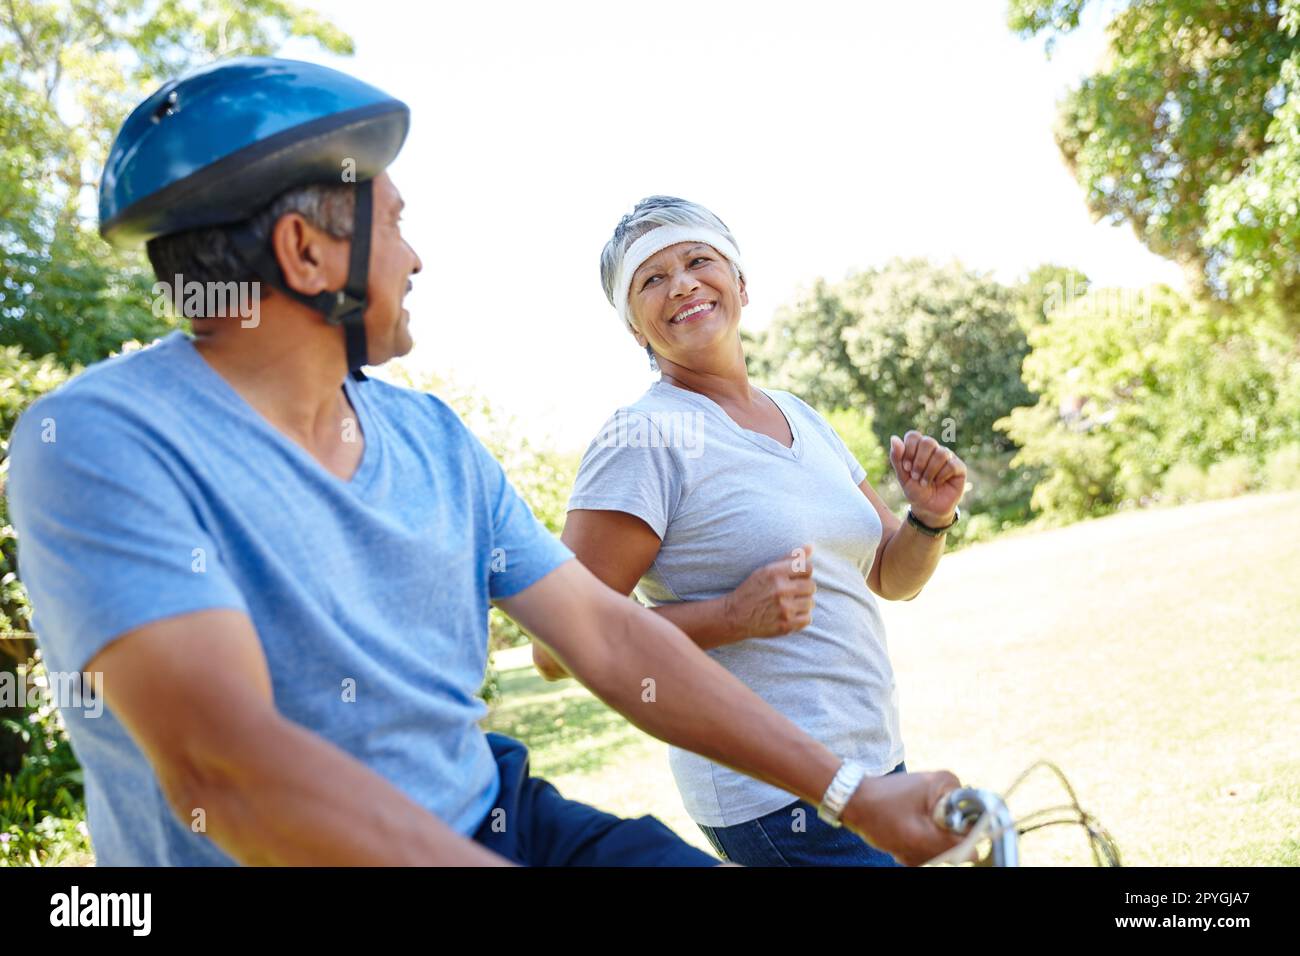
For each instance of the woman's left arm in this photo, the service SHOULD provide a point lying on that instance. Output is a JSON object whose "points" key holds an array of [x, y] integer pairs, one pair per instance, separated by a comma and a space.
{"points": [[933, 478]]}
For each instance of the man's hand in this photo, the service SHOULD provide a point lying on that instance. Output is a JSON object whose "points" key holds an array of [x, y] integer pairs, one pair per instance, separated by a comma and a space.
{"points": [[895, 813], [546, 665], [776, 599]]}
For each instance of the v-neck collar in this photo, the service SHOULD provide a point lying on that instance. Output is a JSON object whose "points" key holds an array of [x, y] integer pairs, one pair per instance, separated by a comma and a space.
{"points": [[765, 442], [369, 435]]}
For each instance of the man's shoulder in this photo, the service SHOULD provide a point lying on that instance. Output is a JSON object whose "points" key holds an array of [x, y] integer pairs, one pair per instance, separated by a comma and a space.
{"points": [[422, 418], [405, 402], [111, 395]]}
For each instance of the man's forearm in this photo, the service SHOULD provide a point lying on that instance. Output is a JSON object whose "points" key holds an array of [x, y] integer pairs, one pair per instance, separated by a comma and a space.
{"points": [[654, 676], [289, 797], [708, 623], [909, 560]]}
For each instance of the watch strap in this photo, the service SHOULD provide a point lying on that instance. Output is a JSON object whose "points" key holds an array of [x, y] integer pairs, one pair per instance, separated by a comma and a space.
{"points": [[925, 529], [841, 789]]}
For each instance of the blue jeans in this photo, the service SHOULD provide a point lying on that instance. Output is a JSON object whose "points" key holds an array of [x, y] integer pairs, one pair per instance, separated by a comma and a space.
{"points": [[795, 836], [533, 825]]}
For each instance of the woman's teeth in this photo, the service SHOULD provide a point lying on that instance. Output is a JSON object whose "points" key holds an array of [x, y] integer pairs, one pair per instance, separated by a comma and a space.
{"points": [[704, 307]]}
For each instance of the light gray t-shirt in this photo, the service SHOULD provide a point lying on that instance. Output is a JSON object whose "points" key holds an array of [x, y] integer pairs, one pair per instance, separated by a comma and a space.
{"points": [[725, 501]]}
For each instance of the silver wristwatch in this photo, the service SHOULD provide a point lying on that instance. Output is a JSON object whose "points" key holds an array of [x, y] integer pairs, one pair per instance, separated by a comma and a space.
{"points": [[841, 789]]}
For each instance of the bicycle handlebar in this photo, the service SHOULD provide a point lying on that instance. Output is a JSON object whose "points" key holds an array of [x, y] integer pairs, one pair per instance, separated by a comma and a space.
{"points": [[979, 814]]}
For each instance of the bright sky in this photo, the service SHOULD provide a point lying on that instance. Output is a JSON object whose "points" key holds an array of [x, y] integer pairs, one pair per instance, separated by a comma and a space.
{"points": [[829, 136]]}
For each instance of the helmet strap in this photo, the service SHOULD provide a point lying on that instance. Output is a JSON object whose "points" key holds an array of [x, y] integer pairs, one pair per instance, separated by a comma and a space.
{"points": [[347, 306]]}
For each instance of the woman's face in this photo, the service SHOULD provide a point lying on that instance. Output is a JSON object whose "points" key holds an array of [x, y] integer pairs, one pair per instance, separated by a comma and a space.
{"points": [[684, 299]]}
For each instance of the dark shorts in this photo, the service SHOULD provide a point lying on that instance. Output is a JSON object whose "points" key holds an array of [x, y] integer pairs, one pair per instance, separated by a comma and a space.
{"points": [[533, 825]]}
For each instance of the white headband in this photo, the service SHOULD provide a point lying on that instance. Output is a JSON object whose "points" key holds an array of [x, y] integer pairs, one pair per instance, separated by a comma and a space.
{"points": [[656, 240]]}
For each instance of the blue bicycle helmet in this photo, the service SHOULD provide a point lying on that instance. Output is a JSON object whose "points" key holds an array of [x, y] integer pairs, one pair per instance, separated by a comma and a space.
{"points": [[217, 145]]}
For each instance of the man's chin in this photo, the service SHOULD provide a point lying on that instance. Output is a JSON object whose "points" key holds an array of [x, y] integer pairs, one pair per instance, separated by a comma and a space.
{"points": [[399, 343], [402, 339]]}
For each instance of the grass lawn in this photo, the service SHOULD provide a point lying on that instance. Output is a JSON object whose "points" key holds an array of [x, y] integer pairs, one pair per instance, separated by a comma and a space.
{"points": [[1154, 656]]}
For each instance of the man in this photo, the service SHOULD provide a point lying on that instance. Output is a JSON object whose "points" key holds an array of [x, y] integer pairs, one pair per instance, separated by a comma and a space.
{"points": [[282, 569]]}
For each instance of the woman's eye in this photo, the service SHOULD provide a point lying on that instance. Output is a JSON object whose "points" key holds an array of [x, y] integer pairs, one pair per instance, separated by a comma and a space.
{"points": [[700, 259], [649, 280]]}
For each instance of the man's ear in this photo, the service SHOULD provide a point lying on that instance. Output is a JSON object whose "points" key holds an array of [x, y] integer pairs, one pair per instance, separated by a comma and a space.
{"points": [[309, 258]]}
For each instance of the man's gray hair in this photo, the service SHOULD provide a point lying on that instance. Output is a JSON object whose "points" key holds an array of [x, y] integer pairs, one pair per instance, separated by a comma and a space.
{"points": [[208, 254], [651, 213]]}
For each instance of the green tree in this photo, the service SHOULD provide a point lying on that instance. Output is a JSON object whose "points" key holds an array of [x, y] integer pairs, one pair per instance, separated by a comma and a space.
{"points": [[1046, 288], [940, 349], [1255, 218], [803, 350], [1187, 131], [1130, 386], [70, 71], [922, 346]]}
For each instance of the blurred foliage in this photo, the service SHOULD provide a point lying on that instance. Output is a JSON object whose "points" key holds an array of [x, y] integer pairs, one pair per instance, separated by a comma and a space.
{"points": [[926, 347], [1188, 131], [22, 381], [854, 429], [42, 797], [1129, 387], [803, 351], [1255, 218], [70, 71]]}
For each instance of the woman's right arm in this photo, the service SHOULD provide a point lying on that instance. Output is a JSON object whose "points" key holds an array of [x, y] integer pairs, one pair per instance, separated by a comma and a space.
{"points": [[618, 548]]}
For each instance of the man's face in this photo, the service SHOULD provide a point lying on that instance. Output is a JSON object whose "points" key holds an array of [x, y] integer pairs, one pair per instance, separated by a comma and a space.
{"points": [[392, 263]]}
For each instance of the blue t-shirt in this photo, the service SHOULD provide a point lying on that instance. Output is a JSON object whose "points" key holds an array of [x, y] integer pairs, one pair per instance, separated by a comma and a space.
{"points": [[147, 487]]}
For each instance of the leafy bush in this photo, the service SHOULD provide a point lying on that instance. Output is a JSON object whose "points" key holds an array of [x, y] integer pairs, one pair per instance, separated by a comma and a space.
{"points": [[42, 812], [1230, 477], [42, 804], [1282, 468], [1182, 483], [1131, 383], [980, 527], [855, 430]]}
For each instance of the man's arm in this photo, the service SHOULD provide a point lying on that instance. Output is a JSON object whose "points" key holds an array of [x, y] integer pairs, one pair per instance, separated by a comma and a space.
{"points": [[618, 548], [653, 674], [194, 692]]}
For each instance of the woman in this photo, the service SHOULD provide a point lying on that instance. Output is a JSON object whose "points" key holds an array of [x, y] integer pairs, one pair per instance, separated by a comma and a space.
{"points": [[737, 513]]}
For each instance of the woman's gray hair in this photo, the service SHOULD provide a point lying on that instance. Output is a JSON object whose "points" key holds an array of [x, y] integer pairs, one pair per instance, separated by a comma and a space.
{"points": [[651, 213]]}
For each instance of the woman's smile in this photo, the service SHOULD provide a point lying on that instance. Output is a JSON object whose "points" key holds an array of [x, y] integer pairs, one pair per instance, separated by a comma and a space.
{"points": [[691, 312]]}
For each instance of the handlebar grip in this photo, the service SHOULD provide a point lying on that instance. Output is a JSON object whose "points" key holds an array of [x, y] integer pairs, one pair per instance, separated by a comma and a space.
{"points": [[958, 809], [961, 809]]}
